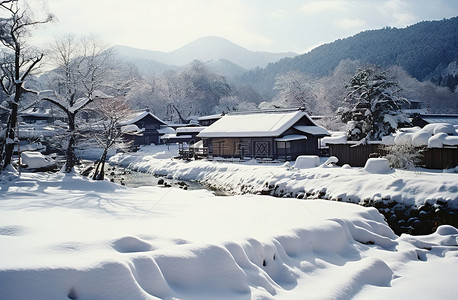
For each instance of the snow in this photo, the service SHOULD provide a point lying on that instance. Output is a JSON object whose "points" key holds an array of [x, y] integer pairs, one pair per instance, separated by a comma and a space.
{"points": [[377, 166], [437, 140], [335, 138], [166, 130], [190, 129], [314, 130], [36, 160], [132, 128], [291, 137], [412, 187], [66, 237], [307, 161], [137, 117], [252, 124], [420, 138]]}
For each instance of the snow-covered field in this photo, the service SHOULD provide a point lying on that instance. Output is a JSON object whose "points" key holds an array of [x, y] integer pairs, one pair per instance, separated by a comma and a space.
{"points": [[66, 237]]}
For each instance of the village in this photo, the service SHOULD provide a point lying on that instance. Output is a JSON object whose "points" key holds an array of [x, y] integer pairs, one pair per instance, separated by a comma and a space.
{"points": [[194, 150], [282, 134]]}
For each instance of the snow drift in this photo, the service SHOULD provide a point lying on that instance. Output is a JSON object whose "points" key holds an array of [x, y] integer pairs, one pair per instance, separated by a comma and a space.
{"points": [[65, 237]]}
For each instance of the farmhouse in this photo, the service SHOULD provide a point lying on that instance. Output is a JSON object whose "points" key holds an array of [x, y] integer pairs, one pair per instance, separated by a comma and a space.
{"points": [[152, 128], [279, 134]]}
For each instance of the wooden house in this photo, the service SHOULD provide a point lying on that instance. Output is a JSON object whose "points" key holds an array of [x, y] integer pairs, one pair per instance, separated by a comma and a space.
{"points": [[268, 134], [151, 127]]}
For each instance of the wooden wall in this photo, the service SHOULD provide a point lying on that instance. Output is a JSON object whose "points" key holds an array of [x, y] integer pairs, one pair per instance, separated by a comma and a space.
{"points": [[356, 156]]}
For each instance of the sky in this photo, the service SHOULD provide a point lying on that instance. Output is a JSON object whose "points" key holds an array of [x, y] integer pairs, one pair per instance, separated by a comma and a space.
{"points": [[258, 25]]}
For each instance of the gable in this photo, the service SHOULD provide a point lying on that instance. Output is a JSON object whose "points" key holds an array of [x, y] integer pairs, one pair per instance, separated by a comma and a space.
{"points": [[143, 117]]}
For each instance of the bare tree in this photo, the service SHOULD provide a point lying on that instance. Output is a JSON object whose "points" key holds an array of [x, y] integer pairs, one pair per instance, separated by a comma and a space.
{"points": [[82, 72], [109, 133], [18, 63]]}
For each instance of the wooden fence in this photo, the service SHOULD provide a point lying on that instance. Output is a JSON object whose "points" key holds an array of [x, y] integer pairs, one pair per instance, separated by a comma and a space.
{"points": [[357, 155]]}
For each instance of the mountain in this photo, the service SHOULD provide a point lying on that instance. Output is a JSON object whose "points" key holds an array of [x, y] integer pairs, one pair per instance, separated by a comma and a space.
{"points": [[421, 49], [204, 49]]}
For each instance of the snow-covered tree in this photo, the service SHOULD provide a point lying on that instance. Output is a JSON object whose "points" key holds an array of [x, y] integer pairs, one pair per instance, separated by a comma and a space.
{"points": [[17, 64], [192, 91], [373, 105], [81, 73], [295, 89], [106, 131]]}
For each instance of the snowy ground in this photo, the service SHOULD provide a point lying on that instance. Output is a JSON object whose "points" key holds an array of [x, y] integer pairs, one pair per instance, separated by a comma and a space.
{"points": [[413, 188], [66, 237]]}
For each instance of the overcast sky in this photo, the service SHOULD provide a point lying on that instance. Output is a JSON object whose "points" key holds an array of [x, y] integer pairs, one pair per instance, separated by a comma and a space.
{"points": [[259, 25]]}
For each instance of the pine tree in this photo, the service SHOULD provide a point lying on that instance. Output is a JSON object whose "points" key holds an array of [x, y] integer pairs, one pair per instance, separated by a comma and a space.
{"points": [[373, 105]]}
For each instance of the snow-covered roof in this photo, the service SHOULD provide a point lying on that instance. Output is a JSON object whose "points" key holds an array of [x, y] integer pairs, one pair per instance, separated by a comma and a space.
{"points": [[313, 130], [267, 124], [166, 130], [210, 117], [172, 136], [291, 137], [190, 129], [138, 116], [37, 112], [451, 119]]}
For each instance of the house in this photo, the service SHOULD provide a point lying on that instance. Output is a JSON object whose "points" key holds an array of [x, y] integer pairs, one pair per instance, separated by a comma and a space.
{"points": [[151, 127], [422, 120], [276, 134], [36, 115], [208, 120]]}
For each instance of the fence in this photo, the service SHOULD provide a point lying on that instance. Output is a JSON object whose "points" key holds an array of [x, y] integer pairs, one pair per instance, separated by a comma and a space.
{"points": [[357, 155]]}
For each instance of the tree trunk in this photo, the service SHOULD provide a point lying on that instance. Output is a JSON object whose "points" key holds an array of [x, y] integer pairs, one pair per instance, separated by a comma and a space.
{"points": [[11, 129], [70, 159], [100, 169], [182, 120]]}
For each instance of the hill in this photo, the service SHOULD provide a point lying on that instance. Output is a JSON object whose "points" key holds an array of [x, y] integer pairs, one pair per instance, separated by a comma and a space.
{"points": [[422, 50], [204, 49]]}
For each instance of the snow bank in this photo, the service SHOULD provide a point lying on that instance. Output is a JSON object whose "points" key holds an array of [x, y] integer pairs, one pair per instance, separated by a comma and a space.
{"points": [[36, 160], [334, 183], [65, 237], [432, 135], [307, 161], [377, 166]]}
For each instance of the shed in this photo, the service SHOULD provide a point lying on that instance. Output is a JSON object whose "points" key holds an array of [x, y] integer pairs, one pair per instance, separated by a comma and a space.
{"points": [[275, 134]]}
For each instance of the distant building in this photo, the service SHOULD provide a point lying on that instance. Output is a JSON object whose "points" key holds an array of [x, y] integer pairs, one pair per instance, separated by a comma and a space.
{"points": [[208, 120], [36, 115], [276, 134], [422, 120], [151, 127]]}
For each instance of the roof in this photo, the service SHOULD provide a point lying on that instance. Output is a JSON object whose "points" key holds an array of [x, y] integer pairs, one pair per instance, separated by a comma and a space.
{"points": [[313, 130], [451, 119], [138, 116], [190, 129], [210, 117], [266, 124], [291, 137], [37, 112]]}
